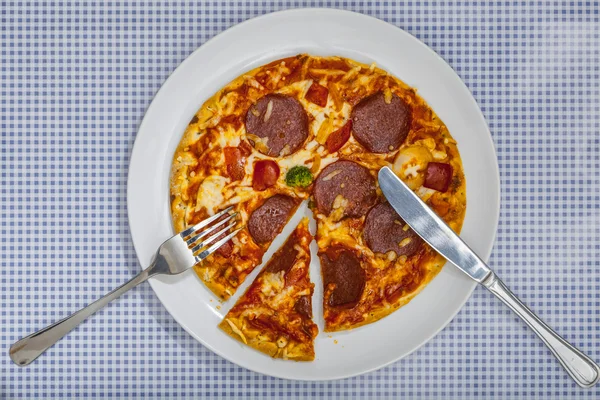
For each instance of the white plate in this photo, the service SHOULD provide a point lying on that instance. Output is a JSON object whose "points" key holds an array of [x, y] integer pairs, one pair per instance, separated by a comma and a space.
{"points": [[322, 32]]}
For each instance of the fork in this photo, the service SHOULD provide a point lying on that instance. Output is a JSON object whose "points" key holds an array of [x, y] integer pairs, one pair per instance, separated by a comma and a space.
{"points": [[174, 256]]}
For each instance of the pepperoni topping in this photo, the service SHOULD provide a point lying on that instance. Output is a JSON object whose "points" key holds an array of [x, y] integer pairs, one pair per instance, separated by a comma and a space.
{"points": [[269, 219], [303, 306], [438, 176], [235, 163], [379, 125], [271, 324], [226, 249], [385, 231], [277, 125], [345, 184], [266, 173], [317, 94], [342, 271], [293, 276], [338, 138], [285, 257]]}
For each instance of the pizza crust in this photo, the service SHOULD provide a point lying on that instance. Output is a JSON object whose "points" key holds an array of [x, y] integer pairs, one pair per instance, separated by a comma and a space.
{"points": [[292, 351]]}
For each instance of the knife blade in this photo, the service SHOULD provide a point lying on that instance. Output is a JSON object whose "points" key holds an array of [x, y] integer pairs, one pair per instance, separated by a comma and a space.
{"points": [[431, 228]]}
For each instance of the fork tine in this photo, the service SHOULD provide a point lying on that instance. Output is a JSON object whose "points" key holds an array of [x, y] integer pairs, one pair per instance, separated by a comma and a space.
{"points": [[212, 238], [215, 246], [204, 222], [205, 232]]}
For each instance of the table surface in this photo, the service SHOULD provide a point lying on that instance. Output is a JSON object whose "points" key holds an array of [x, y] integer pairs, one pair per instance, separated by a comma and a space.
{"points": [[75, 82]]}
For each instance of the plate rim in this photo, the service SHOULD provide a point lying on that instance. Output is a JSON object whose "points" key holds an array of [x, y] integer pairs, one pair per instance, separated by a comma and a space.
{"points": [[264, 18]]}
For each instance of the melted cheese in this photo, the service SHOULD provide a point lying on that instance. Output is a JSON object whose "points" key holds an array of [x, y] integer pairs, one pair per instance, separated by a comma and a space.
{"points": [[235, 195], [272, 283], [425, 193], [210, 194], [229, 137], [237, 330], [282, 297], [439, 155], [410, 164], [301, 157]]}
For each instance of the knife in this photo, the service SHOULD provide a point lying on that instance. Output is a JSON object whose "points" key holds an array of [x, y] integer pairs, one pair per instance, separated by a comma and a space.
{"points": [[433, 230]]}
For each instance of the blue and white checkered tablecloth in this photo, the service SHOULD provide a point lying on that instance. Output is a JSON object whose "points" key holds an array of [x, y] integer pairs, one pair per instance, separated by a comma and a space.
{"points": [[75, 80]]}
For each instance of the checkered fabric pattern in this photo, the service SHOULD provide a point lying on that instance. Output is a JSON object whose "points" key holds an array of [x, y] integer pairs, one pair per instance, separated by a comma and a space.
{"points": [[75, 80]]}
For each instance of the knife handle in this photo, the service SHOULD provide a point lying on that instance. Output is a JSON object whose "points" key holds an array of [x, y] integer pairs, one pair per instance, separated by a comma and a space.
{"points": [[581, 368]]}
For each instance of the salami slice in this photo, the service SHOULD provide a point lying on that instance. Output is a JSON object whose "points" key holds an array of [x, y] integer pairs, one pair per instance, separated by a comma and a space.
{"points": [[227, 248], [379, 125], [345, 184], [286, 256], [303, 306], [342, 271], [269, 219], [385, 231], [277, 125]]}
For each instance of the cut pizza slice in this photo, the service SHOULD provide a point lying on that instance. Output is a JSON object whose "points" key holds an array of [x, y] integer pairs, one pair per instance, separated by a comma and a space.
{"points": [[274, 316]]}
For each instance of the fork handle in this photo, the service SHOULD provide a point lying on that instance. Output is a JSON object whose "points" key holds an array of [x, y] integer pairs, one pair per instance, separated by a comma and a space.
{"points": [[581, 368], [31, 347]]}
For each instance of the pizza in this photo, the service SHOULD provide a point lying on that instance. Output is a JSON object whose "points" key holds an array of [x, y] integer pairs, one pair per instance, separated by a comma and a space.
{"points": [[274, 315], [318, 129]]}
